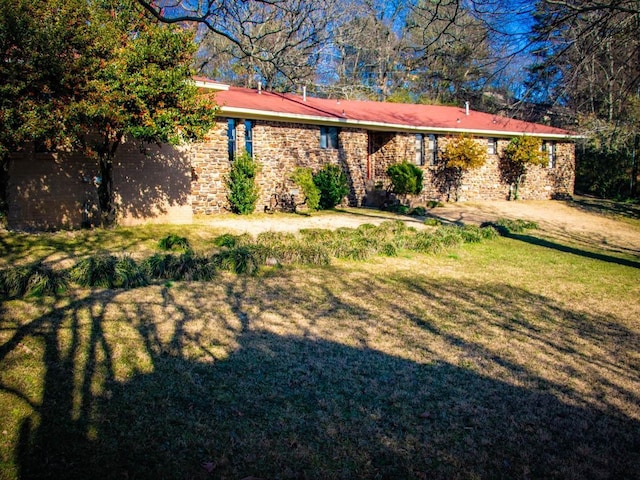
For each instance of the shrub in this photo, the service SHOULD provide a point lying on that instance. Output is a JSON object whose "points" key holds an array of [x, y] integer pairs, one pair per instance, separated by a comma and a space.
{"points": [[518, 155], [303, 177], [406, 178], [460, 154], [242, 186], [333, 186], [418, 211], [174, 242], [32, 280]]}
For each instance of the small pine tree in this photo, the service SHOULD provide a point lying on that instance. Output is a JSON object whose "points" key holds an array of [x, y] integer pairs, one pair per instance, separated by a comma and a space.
{"points": [[518, 155], [241, 183]]}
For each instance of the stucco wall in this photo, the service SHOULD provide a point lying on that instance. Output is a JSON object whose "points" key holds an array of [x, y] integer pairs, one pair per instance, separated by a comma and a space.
{"points": [[50, 190]]}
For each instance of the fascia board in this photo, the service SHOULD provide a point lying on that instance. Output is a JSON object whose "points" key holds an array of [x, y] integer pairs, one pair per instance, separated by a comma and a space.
{"points": [[250, 113]]}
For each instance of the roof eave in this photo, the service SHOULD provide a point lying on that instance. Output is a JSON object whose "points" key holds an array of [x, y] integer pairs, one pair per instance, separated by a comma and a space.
{"points": [[251, 113]]}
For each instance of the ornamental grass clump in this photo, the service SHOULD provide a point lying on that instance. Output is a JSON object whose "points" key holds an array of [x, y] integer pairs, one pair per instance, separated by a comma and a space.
{"points": [[108, 271], [174, 242], [505, 226], [95, 271], [35, 280]]}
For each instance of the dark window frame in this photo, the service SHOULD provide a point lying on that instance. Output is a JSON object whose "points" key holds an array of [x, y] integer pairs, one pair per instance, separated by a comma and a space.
{"points": [[248, 136], [329, 138], [232, 139]]}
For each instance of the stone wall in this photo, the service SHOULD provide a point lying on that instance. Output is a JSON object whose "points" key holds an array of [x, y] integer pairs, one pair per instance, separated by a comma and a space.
{"points": [[484, 183], [279, 148], [168, 184]]}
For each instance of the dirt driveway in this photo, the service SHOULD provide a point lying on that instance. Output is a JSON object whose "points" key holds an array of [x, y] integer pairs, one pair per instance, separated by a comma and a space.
{"points": [[607, 225]]}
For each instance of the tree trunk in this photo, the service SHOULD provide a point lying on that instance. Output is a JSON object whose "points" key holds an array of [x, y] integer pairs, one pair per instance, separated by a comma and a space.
{"points": [[4, 183], [106, 200]]}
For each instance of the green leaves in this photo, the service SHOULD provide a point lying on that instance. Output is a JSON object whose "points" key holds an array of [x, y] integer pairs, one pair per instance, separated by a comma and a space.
{"points": [[241, 182], [525, 151], [406, 178], [333, 185], [463, 152]]}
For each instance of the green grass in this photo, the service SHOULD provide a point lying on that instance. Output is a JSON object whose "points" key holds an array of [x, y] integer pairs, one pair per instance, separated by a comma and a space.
{"points": [[513, 357]]}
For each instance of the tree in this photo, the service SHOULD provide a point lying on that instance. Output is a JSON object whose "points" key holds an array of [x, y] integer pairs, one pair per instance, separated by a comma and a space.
{"points": [[518, 156], [588, 62], [42, 62], [451, 51], [459, 155], [277, 41], [124, 75]]}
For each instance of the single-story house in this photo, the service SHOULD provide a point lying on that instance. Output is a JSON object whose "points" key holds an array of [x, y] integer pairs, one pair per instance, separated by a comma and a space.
{"points": [[282, 131]]}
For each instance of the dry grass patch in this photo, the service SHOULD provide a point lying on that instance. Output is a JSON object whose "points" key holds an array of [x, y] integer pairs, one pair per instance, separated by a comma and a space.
{"points": [[501, 359]]}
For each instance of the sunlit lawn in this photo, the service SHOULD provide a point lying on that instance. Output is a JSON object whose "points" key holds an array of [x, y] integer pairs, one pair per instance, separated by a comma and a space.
{"points": [[504, 359]]}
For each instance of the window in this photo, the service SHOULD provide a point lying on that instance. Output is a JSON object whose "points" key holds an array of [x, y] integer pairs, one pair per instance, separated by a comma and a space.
{"points": [[491, 146], [419, 149], [432, 149], [329, 137], [248, 136], [231, 137], [550, 149]]}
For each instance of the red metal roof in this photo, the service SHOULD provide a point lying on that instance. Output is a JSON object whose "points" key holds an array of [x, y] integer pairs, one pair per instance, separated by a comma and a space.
{"points": [[378, 115]]}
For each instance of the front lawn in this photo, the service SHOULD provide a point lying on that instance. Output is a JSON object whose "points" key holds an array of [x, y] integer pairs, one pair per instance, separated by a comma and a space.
{"points": [[516, 357]]}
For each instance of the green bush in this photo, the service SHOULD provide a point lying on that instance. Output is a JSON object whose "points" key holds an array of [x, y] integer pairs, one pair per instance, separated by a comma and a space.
{"points": [[33, 280], [406, 178], [506, 225], [174, 242], [333, 186], [432, 222], [303, 177], [241, 184], [418, 211]]}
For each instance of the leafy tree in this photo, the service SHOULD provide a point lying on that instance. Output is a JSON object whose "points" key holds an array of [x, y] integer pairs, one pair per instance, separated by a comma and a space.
{"points": [[333, 186], [42, 59], [459, 155], [111, 71], [241, 183], [518, 156]]}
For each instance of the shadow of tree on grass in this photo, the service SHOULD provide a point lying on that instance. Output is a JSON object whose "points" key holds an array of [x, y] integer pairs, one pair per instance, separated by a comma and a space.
{"points": [[305, 405]]}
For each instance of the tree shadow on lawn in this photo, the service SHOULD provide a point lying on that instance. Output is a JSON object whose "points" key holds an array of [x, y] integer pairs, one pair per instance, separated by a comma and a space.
{"points": [[541, 242], [299, 406]]}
